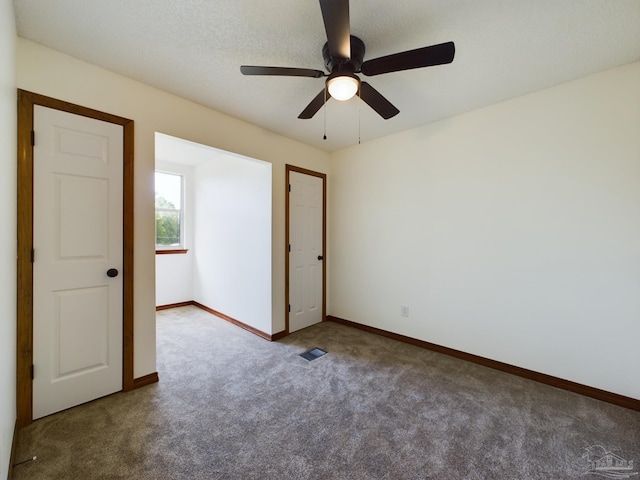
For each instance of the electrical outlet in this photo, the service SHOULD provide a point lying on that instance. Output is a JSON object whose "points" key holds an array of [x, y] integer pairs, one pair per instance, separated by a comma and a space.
{"points": [[404, 310]]}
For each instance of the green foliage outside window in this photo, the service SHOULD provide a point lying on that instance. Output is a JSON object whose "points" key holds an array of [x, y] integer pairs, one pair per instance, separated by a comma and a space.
{"points": [[167, 226], [168, 212]]}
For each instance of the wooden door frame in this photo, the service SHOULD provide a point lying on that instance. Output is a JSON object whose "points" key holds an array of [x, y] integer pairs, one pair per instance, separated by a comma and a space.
{"points": [[26, 102], [323, 176]]}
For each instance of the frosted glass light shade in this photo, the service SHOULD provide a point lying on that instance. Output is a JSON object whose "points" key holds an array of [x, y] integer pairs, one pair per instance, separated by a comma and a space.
{"points": [[343, 88]]}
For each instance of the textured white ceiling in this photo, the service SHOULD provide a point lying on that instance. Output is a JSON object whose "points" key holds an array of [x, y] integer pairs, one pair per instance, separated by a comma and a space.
{"points": [[178, 150], [194, 49]]}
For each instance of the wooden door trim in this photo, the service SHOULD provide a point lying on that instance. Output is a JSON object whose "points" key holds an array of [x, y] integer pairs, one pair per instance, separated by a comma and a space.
{"points": [[289, 169], [26, 102]]}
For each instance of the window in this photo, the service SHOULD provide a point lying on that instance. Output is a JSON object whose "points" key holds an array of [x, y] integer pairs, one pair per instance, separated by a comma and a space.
{"points": [[169, 211]]}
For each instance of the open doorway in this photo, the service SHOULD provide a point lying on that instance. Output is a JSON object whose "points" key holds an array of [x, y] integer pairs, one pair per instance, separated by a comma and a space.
{"points": [[214, 249]]}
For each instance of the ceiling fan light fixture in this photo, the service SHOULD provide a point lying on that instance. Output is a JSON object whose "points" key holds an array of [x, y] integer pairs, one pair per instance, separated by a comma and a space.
{"points": [[343, 87]]}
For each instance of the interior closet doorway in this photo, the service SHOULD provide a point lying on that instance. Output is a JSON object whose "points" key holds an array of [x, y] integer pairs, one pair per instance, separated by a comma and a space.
{"points": [[305, 268]]}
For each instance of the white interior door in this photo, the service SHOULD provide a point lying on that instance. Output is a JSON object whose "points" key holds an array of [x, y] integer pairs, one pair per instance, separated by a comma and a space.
{"points": [[77, 306], [306, 255]]}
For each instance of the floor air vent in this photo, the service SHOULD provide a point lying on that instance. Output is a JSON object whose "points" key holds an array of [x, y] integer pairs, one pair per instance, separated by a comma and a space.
{"points": [[313, 354]]}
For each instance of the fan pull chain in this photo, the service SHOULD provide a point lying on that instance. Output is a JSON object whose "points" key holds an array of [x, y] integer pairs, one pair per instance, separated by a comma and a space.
{"points": [[324, 112], [359, 106]]}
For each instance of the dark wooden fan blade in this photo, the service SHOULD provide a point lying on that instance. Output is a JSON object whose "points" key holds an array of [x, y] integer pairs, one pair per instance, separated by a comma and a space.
{"points": [[315, 105], [282, 71], [420, 57], [335, 14], [375, 100]]}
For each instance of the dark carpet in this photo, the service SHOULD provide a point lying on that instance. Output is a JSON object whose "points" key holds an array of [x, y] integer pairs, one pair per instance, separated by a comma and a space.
{"points": [[231, 405]]}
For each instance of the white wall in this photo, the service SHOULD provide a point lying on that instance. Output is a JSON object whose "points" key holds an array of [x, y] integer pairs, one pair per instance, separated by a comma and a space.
{"points": [[174, 272], [51, 73], [232, 265], [511, 232], [8, 149]]}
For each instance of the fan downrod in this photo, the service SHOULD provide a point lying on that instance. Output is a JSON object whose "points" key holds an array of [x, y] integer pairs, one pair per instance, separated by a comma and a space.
{"points": [[351, 65]]}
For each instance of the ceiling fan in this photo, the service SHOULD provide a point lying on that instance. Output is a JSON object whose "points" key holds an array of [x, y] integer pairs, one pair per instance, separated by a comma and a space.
{"points": [[343, 58]]}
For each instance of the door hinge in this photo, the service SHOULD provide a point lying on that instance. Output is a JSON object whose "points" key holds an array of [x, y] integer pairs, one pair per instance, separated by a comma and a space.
{"points": [[289, 307], [289, 187], [33, 138], [33, 255], [31, 370], [289, 247]]}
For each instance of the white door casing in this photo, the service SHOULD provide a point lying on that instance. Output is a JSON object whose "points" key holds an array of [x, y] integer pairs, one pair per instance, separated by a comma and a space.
{"points": [[77, 238], [306, 254]]}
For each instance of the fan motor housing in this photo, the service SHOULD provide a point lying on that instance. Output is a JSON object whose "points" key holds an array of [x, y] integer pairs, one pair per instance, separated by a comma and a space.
{"points": [[351, 65]]}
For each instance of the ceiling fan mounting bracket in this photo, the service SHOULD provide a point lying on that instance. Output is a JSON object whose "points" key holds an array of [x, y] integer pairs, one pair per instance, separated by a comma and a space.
{"points": [[351, 65]]}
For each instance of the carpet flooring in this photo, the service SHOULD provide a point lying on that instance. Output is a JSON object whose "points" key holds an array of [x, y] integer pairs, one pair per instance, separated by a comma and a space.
{"points": [[230, 405]]}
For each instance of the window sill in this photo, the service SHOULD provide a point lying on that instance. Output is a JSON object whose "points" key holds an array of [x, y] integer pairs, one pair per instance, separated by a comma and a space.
{"points": [[174, 251]]}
